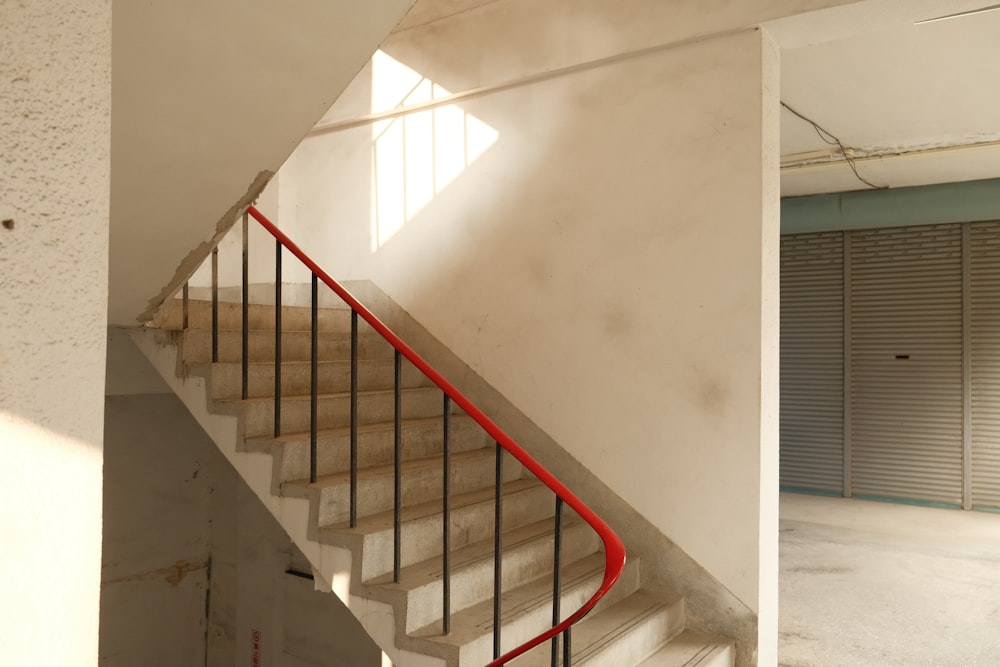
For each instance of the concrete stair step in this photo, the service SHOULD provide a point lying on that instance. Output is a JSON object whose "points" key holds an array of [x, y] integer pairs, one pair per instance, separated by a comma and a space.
{"points": [[620, 635], [527, 555], [295, 346], [260, 316], [421, 479], [296, 377], [526, 611], [472, 516], [334, 410], [629, 627], [691, 649], [420, 438]]}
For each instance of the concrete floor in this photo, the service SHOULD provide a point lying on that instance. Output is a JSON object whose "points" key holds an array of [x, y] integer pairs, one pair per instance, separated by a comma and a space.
{"points": [[870, 584]]}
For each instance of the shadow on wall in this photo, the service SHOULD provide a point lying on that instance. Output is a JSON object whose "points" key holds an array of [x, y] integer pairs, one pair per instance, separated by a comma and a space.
{"points": [[194, 566]]}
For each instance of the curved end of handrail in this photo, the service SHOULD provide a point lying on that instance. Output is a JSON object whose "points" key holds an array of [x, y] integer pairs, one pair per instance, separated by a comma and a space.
{"points": [[614, 564]]}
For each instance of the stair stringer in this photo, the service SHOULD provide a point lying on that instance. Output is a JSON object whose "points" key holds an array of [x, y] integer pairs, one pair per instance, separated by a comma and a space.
{"points": [[333, 567]]}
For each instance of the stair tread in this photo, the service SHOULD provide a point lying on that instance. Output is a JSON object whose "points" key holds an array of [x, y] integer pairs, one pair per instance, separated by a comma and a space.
{"points": [[375, 472], [201, 365], [692, 649], [342, 431], [606, 626], [207, 303], [384, 520], [419, 574], [476, 621], [270, 330], [325, 395]]}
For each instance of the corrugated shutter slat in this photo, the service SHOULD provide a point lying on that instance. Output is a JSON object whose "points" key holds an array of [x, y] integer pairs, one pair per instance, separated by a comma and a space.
{"points": [[812, 364], [985, 297]]}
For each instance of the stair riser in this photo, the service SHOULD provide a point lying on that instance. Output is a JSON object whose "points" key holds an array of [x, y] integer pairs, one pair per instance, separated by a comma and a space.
{"points": [[474, 583], [333, 454], [296, 378], [260, 316], [295, 346], [640, 641], [626, 637], [422, 540], [520, 626], [419, 486], [335, 411]]}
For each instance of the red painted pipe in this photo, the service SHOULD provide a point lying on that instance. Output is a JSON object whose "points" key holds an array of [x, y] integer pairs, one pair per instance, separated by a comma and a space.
{"points": [[614, 550]]}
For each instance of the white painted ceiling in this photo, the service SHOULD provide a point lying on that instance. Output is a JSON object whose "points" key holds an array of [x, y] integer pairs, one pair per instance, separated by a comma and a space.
{"points": [[917, 103]]}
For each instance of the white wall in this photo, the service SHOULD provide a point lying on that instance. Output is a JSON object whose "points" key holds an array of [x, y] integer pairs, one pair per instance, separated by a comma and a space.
{"points": [[55, 65], [599, 245], [209, 99]]}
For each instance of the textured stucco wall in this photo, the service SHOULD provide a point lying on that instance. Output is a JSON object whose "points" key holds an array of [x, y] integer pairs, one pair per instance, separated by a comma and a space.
{"points": [[55, 102]]}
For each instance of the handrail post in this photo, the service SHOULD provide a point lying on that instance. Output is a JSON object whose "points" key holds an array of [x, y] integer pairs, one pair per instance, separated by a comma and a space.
{"points": [[497, 551], [354, 418], [313, 388], [556, 584], [184, 306], [215, 304], [397, 455], [446, 519], [245, 354], [277, 338]]}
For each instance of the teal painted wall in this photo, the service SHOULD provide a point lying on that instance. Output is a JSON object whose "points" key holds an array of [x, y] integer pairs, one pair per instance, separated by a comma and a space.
{"points": [[897, 207]]}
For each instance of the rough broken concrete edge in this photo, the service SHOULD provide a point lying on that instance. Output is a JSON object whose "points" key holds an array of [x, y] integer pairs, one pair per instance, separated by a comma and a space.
{"points": [[665, 567], [193, 260]]}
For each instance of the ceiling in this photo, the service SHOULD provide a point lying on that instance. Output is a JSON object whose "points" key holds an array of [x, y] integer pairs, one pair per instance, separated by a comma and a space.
{"points": [[914, 103]]}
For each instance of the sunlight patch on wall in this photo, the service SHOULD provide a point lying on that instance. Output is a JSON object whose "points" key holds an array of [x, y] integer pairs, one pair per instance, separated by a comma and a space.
{"points": [[416, 156]]}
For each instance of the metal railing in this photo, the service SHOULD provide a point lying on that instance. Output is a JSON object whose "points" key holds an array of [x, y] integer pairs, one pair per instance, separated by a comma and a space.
{"points": [[613, 548]]}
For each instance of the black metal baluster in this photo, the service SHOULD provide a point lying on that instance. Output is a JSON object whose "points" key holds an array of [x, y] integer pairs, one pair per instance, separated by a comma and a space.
{"points": [[397, 497], [354, 418], [497, 551], [184, 307], [567, 643], [277, 338], [446, 519], [556, 584], [245, 370], [314, 389], [215, 304]]}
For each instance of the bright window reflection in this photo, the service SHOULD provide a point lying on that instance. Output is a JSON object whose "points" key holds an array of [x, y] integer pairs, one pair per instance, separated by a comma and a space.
{"points": [[416, 156]]}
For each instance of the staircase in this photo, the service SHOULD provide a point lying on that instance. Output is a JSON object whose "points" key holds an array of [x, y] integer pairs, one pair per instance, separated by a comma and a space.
{"points": [[400, 595]]}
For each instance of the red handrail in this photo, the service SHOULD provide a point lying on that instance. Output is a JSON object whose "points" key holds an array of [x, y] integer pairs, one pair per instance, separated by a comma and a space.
{"points": [[614, 550]]}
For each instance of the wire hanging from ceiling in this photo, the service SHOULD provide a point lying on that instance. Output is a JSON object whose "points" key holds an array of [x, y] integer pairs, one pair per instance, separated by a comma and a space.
{"points": [[832, 140]]}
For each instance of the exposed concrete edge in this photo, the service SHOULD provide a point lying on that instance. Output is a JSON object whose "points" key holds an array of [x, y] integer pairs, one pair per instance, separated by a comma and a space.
{"points": [[712, 608], [193, 260], [335, 568]]}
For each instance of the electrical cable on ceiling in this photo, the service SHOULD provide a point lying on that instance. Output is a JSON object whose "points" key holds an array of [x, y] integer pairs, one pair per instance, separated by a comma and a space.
{"points": [[832, 140]]}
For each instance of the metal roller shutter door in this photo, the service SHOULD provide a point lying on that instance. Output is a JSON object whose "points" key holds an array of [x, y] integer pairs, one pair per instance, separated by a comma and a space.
{"points": [[985, 306], [812, 361], [906, 363]]}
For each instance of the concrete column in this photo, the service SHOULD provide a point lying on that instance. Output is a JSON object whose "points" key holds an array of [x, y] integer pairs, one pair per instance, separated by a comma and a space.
{"points": [[55, 78]]}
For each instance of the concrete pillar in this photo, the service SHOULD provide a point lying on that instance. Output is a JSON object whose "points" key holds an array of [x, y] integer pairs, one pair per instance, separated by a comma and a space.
{"points": [[55, 77]]}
